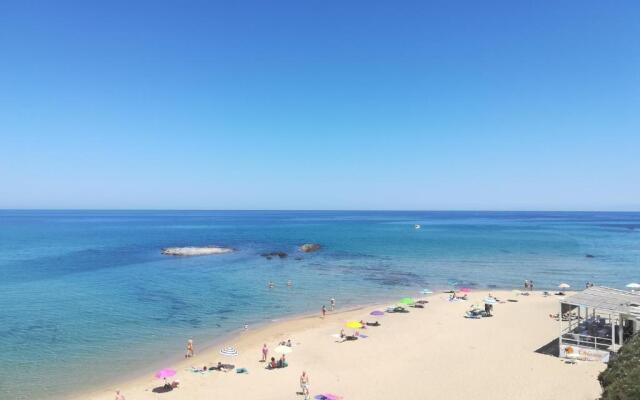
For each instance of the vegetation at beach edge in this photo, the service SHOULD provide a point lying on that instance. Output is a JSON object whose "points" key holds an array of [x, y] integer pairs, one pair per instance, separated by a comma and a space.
{"points": [[621, 379]]}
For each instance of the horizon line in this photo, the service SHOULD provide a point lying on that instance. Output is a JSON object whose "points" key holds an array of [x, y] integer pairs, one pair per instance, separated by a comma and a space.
{"points": [[317, 210]]}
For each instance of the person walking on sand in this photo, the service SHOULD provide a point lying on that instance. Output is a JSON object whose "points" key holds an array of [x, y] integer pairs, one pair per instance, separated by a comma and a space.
{"points": [[119, 396], [304, 384], [189, 348], [324, 311], [265, 352]]}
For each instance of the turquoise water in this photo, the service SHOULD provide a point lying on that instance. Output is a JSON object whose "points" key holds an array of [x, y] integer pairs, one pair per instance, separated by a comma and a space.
{"points": [[86, 296]]}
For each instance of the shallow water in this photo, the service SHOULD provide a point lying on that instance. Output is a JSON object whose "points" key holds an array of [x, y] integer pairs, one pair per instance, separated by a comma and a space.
{"points": [[86, 296]]}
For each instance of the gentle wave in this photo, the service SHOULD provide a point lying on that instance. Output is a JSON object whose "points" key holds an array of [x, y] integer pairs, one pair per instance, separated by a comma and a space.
{"points": [[195, 251]]}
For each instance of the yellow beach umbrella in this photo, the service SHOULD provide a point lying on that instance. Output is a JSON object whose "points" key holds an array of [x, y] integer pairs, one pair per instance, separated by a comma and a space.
{"points": [[353, 324]]}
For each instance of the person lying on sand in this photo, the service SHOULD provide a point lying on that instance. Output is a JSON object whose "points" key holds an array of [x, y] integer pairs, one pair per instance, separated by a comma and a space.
{"points": [[373, 323], [222, 367]]}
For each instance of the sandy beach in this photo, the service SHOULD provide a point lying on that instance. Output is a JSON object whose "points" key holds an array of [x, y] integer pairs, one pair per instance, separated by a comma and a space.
{"points": [[428, 353]]}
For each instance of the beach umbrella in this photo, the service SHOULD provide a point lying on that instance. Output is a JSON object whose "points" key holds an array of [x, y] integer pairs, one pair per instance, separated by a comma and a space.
{"points": [[634, 285], [327, 396], [353, 324], [489, 300], [564, 286], [229, 351], [165, 373], [426, 291], [465, 290], [406, 300], [283, 349], [376, 313]]}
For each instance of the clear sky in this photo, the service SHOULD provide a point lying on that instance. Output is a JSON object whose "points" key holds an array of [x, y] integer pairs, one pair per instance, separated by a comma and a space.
{"points": [[320, 104]]}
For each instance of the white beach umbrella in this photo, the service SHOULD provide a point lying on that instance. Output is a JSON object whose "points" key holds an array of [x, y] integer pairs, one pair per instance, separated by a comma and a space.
{"points": [[283, 349], [489, 300], [634, 285], [229, 351], [564, 286]]}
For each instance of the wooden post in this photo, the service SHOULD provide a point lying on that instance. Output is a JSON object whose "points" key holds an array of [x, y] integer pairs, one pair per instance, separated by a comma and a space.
{"points": [[560, 337], [613, 333], [620, 337]]}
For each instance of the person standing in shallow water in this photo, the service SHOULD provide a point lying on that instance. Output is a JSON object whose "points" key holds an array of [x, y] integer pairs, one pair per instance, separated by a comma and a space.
{"points": [[324, 311], [189, 348], [332, 304]]}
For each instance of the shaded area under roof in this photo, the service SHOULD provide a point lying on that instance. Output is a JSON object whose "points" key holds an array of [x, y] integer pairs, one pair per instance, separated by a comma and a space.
{"points": [[607, 299]]}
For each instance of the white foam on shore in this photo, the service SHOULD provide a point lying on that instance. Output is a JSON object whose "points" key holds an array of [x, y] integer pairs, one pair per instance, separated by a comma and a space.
{"points": [[195, 251]]}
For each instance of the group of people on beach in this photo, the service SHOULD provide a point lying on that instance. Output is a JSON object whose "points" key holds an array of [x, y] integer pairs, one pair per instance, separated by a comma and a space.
{"points": [[332, 307]]}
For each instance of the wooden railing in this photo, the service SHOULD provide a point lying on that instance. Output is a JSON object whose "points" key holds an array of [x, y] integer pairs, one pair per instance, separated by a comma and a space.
{"points": [[594, 342]]}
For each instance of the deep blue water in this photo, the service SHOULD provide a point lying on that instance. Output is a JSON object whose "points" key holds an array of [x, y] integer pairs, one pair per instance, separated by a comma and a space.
{"points": [[86, 296]]}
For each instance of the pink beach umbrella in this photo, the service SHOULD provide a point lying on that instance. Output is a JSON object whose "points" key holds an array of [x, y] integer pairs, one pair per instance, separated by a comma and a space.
{"points": [[165, 373], [465, 290]]}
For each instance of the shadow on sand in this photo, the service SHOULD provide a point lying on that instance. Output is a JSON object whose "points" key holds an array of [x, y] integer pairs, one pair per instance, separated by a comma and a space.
{"points": [[550, 349]]}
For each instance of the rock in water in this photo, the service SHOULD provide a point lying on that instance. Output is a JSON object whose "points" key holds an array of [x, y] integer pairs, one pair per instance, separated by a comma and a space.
{"points": [[195, 251], [280, 254], [309, 247]]}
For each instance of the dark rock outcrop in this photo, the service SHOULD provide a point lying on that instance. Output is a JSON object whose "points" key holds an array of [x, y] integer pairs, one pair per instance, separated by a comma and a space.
{"points": [[269, 256]]}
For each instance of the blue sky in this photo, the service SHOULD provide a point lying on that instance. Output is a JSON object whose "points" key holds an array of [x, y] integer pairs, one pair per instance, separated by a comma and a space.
{"points": [[501, 105]]}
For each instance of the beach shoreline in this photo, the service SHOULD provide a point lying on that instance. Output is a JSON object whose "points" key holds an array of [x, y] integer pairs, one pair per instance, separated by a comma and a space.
{"points": [[211, 347], [311, 328]]}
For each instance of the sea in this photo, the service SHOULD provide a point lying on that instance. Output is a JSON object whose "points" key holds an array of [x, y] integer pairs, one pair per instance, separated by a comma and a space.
{"points": [[87, 297]]}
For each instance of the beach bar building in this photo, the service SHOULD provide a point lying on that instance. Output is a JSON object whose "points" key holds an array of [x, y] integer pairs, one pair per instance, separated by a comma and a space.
{"points": [[596, 322]]}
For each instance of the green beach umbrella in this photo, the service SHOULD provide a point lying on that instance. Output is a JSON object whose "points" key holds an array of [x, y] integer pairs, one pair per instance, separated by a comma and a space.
{"points": [[406, 300]]}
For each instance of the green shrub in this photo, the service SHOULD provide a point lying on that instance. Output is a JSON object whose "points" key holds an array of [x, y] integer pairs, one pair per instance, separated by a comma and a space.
{"points": [[621, 379]]}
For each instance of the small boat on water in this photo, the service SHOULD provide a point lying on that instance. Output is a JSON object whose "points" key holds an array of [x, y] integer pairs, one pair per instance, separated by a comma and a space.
{"points": [[417, 226]]}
